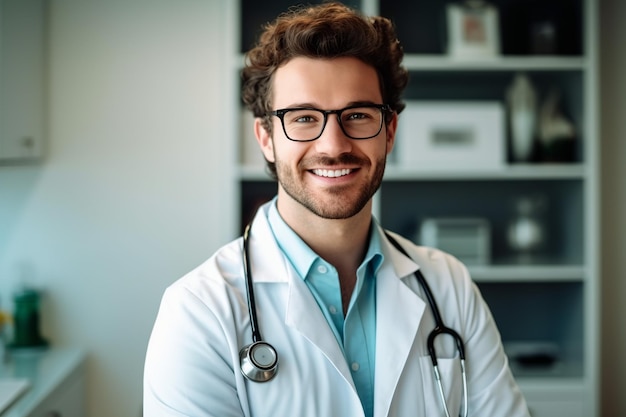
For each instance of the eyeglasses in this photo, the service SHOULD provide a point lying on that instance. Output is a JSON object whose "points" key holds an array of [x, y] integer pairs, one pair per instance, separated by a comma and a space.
{"points": [[305, 124]]}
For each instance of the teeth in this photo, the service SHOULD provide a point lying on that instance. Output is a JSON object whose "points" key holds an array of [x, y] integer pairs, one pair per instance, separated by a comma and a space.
{"points": [[331, 173]]}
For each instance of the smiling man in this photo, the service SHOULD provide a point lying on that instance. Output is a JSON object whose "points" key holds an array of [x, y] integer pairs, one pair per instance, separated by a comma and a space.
{"points": [[352, 316]]}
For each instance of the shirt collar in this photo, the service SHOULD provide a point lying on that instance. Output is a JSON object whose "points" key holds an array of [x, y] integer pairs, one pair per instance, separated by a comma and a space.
{"points": [[302, 256]]}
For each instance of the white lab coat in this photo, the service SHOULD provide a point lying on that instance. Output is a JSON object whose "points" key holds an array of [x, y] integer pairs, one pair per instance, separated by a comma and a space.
{"points": [[192, 363]]}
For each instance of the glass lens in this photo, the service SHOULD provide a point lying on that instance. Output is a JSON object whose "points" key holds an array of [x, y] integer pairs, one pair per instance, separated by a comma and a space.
{"points": [[303, 124], [361, 122], [356, 122]]}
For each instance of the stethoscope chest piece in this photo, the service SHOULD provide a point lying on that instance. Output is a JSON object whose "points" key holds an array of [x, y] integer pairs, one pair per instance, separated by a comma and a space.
{"points": [[259, 361]]}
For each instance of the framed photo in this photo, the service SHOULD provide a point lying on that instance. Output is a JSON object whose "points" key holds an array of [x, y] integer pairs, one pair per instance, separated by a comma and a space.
{"points": [[473, 29]]}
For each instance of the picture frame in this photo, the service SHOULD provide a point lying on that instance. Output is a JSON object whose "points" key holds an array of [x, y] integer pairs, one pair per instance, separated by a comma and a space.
{"points": [[473, 30]]}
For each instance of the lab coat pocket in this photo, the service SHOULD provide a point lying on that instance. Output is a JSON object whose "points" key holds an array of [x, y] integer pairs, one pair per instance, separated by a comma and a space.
{"points": [[451, 380]]}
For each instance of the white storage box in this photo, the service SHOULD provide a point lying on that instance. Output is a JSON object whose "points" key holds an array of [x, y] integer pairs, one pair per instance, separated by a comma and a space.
{"points": [[469, 239], [451, 136]]}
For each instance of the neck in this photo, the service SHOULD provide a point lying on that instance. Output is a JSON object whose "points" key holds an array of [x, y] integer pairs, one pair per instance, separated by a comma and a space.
{"points": [[341, 242]]}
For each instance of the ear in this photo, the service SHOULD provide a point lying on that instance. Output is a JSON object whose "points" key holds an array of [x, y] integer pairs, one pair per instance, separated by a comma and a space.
{"points": [[265, 140], [391, 132]]}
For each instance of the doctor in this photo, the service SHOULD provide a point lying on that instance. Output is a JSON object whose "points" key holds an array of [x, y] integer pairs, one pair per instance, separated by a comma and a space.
{"points": [[336, 299]]}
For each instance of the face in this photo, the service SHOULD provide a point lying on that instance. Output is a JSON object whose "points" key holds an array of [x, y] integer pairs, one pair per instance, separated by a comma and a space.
{"points": [[333, 177]]}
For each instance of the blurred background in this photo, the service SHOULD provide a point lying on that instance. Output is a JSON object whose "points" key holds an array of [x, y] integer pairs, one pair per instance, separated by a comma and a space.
{"points": [[136, 173]]}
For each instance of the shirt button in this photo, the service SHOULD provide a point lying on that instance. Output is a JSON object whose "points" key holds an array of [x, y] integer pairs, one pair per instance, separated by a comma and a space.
{"points": [[322, 269], [355, 366], [332, 309]]}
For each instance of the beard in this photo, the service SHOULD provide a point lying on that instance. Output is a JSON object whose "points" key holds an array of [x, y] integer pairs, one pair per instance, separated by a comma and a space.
{"points": [[334, 202]]}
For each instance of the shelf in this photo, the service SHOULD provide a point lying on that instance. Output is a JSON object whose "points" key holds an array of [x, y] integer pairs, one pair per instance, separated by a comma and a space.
{"points": [[526, 273], [559, 373], [440, 62], [509, 172], [253, 173], [400, 173], [548, 382], [418, 62]]}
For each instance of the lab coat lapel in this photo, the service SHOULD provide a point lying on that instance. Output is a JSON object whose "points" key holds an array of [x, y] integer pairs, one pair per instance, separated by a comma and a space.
{"points": [[304, 314], [399, 311]]}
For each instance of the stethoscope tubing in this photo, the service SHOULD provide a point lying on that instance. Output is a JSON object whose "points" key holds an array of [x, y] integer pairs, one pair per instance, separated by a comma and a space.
{"points": [[440, 328], [265, 368], [254, 323]]}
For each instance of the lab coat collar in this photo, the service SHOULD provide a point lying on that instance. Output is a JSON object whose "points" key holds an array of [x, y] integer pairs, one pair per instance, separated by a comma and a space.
{"points": [[269, 264]]}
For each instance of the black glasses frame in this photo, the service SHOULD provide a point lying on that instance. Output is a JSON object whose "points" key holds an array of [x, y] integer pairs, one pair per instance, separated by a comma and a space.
{"points": [[385, 110]]}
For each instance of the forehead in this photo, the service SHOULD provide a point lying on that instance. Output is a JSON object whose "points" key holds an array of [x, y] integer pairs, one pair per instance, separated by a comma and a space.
{"points": [[325, 83]]}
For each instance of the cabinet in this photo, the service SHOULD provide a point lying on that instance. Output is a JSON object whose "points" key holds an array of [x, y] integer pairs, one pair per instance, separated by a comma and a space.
{"points": [[65, 401], [56, 378], [545, 303], [21, 79]]}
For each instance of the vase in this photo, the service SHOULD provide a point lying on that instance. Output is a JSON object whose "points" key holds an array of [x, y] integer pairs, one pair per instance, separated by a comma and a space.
{"points": [[526, 231], [522, 107]]}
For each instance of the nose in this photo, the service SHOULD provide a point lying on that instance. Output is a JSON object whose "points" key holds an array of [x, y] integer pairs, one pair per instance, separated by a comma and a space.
{"points": [[333, 141]]}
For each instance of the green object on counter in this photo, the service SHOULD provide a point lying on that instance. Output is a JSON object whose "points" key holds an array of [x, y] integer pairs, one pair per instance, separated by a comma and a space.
{"points": [[26, 321]]}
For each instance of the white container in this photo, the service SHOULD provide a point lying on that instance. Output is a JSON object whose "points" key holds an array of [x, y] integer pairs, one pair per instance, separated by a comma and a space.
{"points": [[451, 136]]}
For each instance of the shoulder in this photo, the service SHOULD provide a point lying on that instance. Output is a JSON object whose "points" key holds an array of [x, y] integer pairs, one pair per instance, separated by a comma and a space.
{"points": [[217, 280], [432, 261], [447, 277]]}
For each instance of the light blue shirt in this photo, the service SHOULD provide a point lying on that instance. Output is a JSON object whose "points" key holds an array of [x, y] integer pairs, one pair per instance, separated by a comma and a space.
{"points": [[356, 332]]}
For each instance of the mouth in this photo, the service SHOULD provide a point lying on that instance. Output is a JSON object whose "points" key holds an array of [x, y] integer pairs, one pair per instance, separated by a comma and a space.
{"points": [[332, 173]]}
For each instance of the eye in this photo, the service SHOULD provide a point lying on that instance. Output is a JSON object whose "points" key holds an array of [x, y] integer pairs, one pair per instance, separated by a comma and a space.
{"points": [[359, 114], [304, 116], [356, 116], [304, 119]]}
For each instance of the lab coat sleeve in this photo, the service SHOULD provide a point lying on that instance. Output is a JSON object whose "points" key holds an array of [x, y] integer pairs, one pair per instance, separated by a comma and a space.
{"points": [[188, 369], [492, 388]]}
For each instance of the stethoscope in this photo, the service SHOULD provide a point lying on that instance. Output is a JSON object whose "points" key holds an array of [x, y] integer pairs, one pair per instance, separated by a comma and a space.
{"points": [[259, 360]]}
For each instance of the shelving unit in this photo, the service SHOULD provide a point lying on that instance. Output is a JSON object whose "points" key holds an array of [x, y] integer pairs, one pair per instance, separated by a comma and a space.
{"points": [[549, 298]]}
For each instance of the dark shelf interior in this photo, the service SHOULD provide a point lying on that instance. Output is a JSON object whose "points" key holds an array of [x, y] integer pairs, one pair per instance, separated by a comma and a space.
{"points": [[404, 205], [422, 27]]}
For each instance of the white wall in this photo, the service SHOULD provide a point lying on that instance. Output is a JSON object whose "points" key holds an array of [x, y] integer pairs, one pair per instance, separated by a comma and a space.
{"points": [[613, 123], [128, 197]]}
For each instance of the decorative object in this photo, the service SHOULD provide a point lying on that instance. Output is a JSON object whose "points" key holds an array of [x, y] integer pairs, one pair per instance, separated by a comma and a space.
{"points": [[451, 136], [469, 239], [522, 113], [473, 30], [543, 37], [557, 135], [4, 324], [526, 232], [26, 320]]}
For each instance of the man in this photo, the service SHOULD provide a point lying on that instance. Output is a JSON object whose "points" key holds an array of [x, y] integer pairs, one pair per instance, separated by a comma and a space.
{"points": [[336, 297]]}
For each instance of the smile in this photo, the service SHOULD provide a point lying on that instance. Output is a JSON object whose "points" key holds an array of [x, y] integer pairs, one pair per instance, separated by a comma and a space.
{"points": [[331, 173]]}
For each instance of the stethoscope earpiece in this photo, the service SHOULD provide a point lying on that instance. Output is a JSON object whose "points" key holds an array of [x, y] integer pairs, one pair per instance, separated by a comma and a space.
{"points": [[259, 361]]}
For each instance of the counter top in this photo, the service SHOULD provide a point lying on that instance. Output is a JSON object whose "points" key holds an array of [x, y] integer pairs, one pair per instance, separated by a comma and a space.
{"points": [[44, 369]]}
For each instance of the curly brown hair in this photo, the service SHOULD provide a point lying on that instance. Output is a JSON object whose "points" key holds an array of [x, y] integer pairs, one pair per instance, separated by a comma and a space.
{"points": [[329, 30]]}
